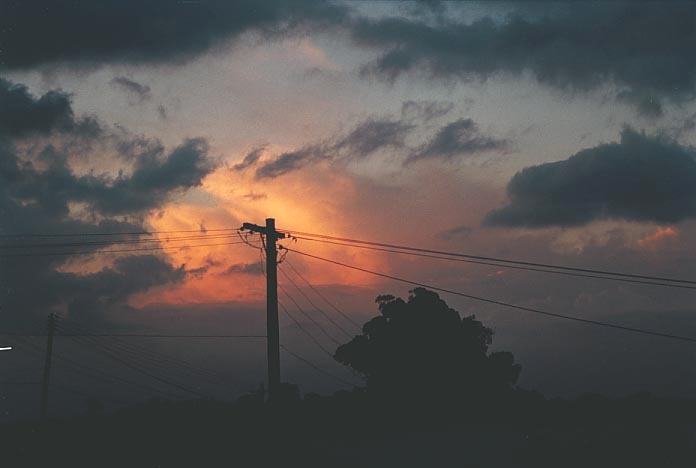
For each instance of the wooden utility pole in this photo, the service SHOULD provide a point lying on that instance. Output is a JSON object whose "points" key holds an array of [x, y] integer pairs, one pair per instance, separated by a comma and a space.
{"points": [[272, 332], [50, 330]]}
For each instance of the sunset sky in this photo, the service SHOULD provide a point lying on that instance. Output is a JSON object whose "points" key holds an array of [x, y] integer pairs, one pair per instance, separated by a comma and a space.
{"points": [[550, 132]]}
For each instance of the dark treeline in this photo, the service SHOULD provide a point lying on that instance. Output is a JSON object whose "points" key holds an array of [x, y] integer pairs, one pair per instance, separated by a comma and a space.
{"points": [[434, 395]]}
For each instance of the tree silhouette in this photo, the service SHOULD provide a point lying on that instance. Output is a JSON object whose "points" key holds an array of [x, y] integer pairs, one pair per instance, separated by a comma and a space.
{"points": [[421, 349]]}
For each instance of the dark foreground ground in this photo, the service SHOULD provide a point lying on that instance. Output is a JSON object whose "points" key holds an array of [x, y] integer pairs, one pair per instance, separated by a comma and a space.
{"points": [[349, 430]]}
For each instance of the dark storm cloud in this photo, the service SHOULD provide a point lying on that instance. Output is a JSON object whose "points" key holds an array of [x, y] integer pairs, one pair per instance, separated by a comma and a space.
{"points": [[22, 114], [37, 32], [646, 49], [140, 91], [459, 138], [39, 189], [640, 178]]}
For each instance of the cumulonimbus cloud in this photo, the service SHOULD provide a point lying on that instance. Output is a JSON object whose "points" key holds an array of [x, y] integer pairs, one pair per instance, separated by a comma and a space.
{"points": [[641, 178]]}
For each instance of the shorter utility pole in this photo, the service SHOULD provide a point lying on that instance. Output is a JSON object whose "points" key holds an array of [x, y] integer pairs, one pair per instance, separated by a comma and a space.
{"points": [[50, 330], [272, 330]]}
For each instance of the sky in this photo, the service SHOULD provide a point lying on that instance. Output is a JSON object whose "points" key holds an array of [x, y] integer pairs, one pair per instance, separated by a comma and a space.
{"points": [[548, 131]]}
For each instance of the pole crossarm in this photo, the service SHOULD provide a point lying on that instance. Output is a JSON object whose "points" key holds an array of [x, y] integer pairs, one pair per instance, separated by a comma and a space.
{"points": [[262, 230]]}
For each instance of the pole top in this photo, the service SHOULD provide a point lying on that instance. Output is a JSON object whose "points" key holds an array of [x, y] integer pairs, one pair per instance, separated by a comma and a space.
{"points": [[268, 229]]}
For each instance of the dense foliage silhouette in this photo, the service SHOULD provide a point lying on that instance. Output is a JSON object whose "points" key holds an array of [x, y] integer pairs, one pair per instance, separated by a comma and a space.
{"points": [[420, 350]]}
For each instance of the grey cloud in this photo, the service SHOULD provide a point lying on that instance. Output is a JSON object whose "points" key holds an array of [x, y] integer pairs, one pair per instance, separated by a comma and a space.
{"points": [[646, 104], [87, 295], [140, 91], [641, 178], [246, 268], [290, 161], [22, 114], [37, 32], [459, 138], [425, 110], [643, 48], [154, 179], [374, 134], [457, 232], [365, 139], [253, 196], [250, 159], [162, 112]]}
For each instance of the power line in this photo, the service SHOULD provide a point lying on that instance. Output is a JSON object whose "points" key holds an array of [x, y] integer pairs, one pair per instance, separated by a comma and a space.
{"points": [[140, 352], [500, 303], [494, 259], [123, 233], [96, 374], [90, 372], [315, 367], [318, 293], [309, 317], [183, 368], [501, 265], [304, 330], [132, 335], [327, 316], [113, 242], [99, 252], [297, 323], [139, 368]]}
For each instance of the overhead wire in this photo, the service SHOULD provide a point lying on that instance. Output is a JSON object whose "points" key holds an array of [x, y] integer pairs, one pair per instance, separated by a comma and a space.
{"points": [[26, 245], [317, 308], [113, 233], [101, 252], [298, 323], [316, 367], [500, 303], [91, 372], [141, 352], [308, 236], [138, 367], [502, 265], [324, 298], [309, 317]]}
